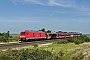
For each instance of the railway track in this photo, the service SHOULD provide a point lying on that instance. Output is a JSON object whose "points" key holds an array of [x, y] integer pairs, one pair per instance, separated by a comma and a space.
{"points": [[23, 44]]}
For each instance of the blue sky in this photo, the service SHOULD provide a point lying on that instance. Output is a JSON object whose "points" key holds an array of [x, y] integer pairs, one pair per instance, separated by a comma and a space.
{"points": [[63, 15]]}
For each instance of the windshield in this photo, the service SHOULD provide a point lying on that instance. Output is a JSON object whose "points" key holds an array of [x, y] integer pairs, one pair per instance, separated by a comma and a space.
{"points": [[22, 32]]}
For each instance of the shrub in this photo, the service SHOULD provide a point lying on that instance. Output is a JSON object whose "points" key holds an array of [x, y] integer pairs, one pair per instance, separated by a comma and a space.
{"points": [[70, 39], [27, 54], [4, 57], [77, 42], [85, 38], [35, 45], [23, 54], [42, 55], [62, 42], [3, 39], [61, 53]]}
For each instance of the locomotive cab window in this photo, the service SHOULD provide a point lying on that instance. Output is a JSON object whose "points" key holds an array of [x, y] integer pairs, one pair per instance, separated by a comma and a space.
{"points": [[22, 32]]}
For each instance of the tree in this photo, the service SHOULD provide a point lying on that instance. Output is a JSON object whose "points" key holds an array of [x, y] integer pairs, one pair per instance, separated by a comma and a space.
{"points": [[8, 33], [0, 34], [43, 29], [4, 37], [48, 31]]}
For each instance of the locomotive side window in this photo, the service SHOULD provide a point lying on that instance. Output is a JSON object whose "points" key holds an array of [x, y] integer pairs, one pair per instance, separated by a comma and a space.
{"points": [[33, 34], [40, 34]]}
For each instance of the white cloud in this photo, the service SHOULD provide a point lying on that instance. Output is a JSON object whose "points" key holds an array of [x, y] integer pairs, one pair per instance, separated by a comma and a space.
{"points": [[60, 3], [84, 13], [81, 20], [63, 3], [18, 19], [51, 14], [28, 21], [85, 8], [52, 11], [57, 12], [29, 1], [14, 3], [23, 18], [33, 2], [68, 4], [23, 3]]}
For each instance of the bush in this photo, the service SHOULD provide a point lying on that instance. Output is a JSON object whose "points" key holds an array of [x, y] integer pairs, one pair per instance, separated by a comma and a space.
{"points": [[4, 57], [35, 45], [42, 55], [70, 39], [27, 54], [62, 42], [84, 38], [24, 54], [77, 42], [61, 53], [3, 39]]}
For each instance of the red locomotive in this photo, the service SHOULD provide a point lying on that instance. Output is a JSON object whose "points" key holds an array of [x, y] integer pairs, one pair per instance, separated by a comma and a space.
{"points": [[27, 35], [31, 35]]}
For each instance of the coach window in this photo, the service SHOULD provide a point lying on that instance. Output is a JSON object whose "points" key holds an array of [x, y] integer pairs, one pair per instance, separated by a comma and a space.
{"points": [[58, 34]]}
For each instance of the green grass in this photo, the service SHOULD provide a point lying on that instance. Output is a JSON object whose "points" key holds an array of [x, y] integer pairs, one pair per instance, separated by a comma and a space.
{"points": [[14, 34], [88, 35], [67, 49], [69, 46], [14, 37]]}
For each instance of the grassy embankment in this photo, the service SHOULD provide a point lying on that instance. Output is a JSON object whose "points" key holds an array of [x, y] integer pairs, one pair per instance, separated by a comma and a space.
{"points": [[68, 51]]}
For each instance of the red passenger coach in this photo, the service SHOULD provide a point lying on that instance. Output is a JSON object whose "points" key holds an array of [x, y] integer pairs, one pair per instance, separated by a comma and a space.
{"points": [[32, 35]]}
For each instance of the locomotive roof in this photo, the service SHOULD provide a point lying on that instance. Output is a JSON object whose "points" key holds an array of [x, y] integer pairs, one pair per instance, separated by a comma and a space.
{"points": [[31, 31]]}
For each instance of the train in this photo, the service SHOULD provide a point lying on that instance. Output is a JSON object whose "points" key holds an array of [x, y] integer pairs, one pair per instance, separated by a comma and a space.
{"points": [[29, 35]]}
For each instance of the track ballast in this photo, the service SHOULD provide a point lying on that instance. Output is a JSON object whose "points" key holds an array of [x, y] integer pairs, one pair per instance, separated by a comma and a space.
{"points": [[24, 44]]}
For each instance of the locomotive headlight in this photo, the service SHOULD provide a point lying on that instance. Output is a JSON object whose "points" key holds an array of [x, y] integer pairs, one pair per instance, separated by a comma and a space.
{"points": [[22, 36]]}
